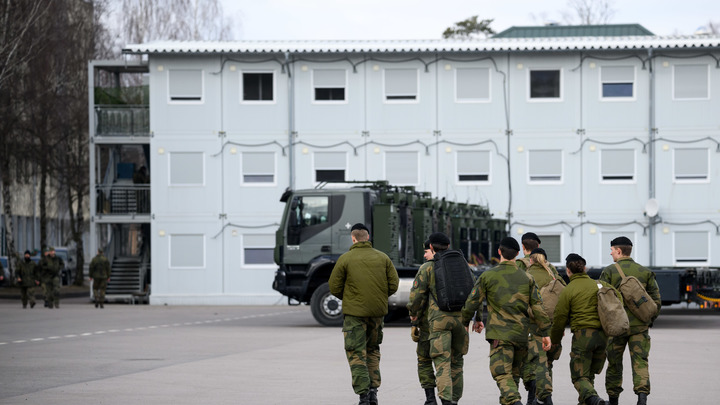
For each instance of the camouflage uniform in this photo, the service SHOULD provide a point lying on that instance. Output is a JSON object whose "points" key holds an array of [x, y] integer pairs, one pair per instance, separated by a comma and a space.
{"points": [[27, 274], [578, 304], [510, 293], [638, 339], [363, 278], [448, 337], [99, 273], [426, 373], [50, 268]]}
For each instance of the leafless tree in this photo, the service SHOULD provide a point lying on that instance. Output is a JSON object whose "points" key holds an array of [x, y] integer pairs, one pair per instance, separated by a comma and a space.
{"points": [[713, 27], [588, 12]]}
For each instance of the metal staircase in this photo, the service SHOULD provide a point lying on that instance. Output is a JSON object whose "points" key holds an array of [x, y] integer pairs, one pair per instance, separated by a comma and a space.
{"points": [[126, 278]]}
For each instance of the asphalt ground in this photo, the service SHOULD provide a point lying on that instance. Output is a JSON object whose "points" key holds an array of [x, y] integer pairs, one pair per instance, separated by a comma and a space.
{"points": [[278, 355]]}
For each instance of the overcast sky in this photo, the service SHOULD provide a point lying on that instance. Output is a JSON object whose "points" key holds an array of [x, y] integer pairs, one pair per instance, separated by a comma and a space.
{"points": [[427, 19]]}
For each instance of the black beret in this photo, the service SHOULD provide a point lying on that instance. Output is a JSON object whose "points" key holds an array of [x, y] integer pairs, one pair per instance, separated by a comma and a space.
{"points": [[621, 241], [27, 252], [426, 244], [574, 257], [439, 238], [510, 243], [359, 226], [540, 251], [531, 236]]}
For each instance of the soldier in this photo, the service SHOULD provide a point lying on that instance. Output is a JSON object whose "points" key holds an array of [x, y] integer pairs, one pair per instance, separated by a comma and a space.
{"points": [[50, 268], [539, 362], [510, 293], [99, 275], [26, 274], [448, 336], [578, 304], [420, 333], [363, 278], [638, 339]]}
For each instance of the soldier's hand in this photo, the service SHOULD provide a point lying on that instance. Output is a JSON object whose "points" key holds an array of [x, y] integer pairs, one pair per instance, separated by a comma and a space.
{"points": [[546, 343], [478, 327], [412, 318]]}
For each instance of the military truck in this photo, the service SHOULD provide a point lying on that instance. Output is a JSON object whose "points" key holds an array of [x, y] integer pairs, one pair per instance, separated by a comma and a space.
{"points": [[315, 231]]}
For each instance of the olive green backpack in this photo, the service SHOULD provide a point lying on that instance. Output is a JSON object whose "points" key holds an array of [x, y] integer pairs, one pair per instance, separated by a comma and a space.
{"points": [[636, 297], [613, 318]]}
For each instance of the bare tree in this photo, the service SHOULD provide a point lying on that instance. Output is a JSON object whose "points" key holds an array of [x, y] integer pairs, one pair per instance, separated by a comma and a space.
{"points": [[588, 12], [469, 28], [713, 27]]}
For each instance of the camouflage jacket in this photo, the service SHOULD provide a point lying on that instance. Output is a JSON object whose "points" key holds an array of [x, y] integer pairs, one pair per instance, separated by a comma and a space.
{"points": [[27, 272], [647, 279], [510, 292], [50, 267], [541, 276], [420, 302], [423, 296], [99, 268], [363, 278]]}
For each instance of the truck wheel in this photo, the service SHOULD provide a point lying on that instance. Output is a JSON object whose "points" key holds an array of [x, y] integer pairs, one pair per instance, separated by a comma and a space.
{"points": [[325, 307]]}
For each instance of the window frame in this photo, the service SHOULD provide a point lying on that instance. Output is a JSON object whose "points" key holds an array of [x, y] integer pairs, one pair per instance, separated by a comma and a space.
{"points": [[204, 177], [677, 262], [530, 180], [633, 180], [672, 83], [473, 182], [315, 169], [204, 252], [618, 99], [561, 92], [417, 167], [242, 73], [559, 234], [244, 183], [472, 100], [706, 180], [416, 100], [270, 265], [346, 100], [187, 102]]}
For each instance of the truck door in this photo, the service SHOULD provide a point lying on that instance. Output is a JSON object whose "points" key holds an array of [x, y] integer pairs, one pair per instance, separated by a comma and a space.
{"points": [[308, 229]]}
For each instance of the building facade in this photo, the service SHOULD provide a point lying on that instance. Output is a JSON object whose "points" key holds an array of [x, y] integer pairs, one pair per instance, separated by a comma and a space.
{"points": [[578, 139]]}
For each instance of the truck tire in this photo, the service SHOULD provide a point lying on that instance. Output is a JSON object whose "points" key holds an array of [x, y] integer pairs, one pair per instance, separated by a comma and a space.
{"points": [[325, 307]]}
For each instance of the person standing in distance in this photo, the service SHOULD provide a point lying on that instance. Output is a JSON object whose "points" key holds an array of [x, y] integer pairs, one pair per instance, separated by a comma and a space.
{"points": [[510, 293], [100, 275], [26, 273], [363, 278], [448, 336], [638, 339]]}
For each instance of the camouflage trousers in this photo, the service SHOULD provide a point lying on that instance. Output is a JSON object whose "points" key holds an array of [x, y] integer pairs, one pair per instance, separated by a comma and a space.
{"points": [[538, 367], [363, 337], [639, 347], [587, 358], [27, 294], [506, 360], [449, 342], [99, 287], [52, 291], [426, 374]]}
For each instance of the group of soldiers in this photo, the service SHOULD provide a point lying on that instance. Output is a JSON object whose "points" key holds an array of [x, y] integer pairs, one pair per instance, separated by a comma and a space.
{"points": [[46, 275], [524, 336]]}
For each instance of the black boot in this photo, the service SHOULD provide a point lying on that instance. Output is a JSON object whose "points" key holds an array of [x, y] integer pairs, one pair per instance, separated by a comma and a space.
{"points": [[372, 395], [546, 401], [642, 399], [445, 402], [531, 392], [364, 399], [430, 396], [613, 400], [595, 400]]}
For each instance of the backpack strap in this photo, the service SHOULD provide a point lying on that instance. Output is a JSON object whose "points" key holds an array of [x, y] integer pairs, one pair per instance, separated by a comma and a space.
{"points": [[620, 271], [545, 266]]}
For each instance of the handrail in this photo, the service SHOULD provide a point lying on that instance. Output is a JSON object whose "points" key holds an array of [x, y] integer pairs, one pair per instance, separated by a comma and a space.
{"points": [[122, 120]]}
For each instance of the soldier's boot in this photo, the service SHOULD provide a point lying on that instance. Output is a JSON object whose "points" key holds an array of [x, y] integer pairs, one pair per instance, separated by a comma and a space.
{"points": [[430, 396], [364, 399], [32, 304], [24, 305], [102, 304], [595, 400], [546, 401], [97, 302], [613, 400], [530, 387], [642, 399], [372, 394], [445, 402]]}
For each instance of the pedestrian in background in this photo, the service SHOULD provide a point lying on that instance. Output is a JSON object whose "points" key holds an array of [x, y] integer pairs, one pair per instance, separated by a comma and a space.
{"points": [[50, 269], [99, 276], [26, 273], [363, 278]]}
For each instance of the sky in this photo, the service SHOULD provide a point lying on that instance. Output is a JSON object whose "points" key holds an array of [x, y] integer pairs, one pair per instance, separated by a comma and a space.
{"points": [[427, 19]]}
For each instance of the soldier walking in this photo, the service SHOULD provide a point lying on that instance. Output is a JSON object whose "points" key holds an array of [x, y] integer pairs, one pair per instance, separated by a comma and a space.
{"points": [[26, 273], [448, 338], [363, 278], [50, 268], [99, 275], [510, 293], [578, 303], [638, 339]]}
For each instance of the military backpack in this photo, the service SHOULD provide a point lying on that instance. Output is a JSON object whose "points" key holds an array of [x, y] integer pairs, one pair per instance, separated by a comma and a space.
{"points": [[636, 297], [550, 293], [613, 318], [453, 280]]}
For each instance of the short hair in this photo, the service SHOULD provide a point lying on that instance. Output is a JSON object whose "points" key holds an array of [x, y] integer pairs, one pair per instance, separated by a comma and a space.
{"points": [[530, 244], [361, 235], [508, 253], [624, 249]]}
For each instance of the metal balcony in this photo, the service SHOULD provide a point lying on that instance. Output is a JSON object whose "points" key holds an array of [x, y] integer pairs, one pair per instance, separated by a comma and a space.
{"points": [[117, 199], [122, 120]]}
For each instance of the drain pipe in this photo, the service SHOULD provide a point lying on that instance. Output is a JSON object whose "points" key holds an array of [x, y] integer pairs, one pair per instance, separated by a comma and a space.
{"points": [[291, 121], [651, 154]]}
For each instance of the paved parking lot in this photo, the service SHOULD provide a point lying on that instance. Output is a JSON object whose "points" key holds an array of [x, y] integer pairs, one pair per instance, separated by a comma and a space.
{"points": [[277, 355]]}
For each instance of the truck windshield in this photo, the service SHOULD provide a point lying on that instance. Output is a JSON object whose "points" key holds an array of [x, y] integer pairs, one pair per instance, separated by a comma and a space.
{"points": [[306, 213]]}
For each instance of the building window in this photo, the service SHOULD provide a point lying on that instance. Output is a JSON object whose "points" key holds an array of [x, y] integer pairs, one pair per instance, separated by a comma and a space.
{"points": [[606, 238], [187, 169], [329, 84], [330, 166], [258, 168], [401, 84], [691, 165], [691, 247], [185, 85], [545, 84], [552, 244], [472, 85], [187, 251], [617, 82], [473, 166], [545, 165], [258, 86], [691, 82], [617, 165], [401, 168], [258, 249]]}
